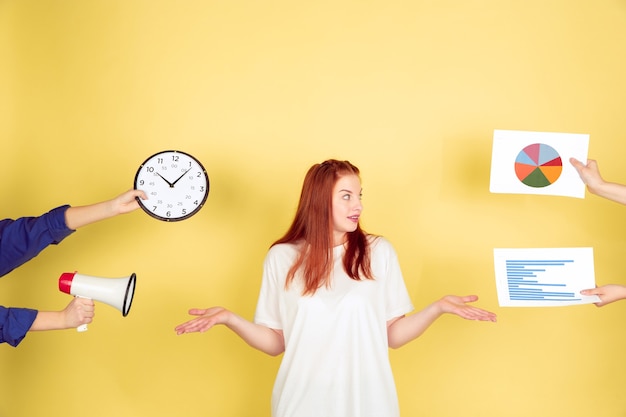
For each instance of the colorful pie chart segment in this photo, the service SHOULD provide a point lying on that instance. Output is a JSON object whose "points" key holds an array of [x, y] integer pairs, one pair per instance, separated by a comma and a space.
{"points": [[538, 165]]}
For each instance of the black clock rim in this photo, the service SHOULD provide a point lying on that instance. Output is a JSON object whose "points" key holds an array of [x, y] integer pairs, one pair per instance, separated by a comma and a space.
{"points": [[172, 219]]}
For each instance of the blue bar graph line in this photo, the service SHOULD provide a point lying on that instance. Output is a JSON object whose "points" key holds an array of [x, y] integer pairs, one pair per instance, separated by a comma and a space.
{"points": [[546, 261], [539, 284], [555, 294], [544, 299]]}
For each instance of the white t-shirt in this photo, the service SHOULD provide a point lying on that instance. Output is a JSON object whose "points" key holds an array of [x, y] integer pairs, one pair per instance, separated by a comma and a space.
{"points": [[336, 359]]}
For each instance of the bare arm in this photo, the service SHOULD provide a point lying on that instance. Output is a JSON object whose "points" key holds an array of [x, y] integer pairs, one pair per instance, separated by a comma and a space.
{"points": [[404, 329], [78, 311], [590, 174], [263, 338], [79, 216]]}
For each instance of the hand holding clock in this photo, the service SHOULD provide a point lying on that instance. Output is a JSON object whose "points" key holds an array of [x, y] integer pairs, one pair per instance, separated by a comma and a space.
{"points": [[79, 216]]}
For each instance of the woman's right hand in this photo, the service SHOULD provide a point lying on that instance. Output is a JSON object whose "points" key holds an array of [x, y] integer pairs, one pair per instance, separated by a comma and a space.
{"points": [[205, 319]]}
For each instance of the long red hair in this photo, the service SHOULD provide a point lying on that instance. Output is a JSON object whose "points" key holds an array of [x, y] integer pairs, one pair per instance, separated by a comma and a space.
{"points": [[312, 230]]}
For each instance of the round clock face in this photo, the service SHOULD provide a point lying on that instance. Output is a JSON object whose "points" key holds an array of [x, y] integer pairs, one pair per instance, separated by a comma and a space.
{"points": [[176, 184]]}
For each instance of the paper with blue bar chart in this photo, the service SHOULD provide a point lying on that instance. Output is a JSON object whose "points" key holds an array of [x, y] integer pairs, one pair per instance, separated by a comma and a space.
{"points": [[544, 277]]}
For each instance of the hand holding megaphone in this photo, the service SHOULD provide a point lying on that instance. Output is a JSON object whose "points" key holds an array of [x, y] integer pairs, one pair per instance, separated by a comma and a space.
{"points": [[78, 311], [116, 292]]}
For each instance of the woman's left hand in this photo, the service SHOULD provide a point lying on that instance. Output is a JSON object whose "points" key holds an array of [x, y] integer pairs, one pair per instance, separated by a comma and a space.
{"points": [[459, 306]]}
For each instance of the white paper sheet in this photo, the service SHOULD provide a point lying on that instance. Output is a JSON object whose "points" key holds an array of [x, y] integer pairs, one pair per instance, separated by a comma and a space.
{"points": [[537, 163], [544, 277]]}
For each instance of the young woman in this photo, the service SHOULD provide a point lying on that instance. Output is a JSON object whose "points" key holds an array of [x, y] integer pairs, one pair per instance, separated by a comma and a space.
{"points": [[24, 238], [333, 300], [590, 174]]}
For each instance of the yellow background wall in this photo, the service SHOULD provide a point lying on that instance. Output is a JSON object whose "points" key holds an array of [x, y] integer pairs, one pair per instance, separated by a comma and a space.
{"points": [[409, 91]]}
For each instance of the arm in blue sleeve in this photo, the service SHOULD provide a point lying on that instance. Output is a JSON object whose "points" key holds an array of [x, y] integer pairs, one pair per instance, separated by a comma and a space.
{"points": [[15, 323], [22, 239]]}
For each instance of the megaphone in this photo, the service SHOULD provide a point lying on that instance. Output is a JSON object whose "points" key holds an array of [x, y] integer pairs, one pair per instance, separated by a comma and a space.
{"points": [[116, 292]]}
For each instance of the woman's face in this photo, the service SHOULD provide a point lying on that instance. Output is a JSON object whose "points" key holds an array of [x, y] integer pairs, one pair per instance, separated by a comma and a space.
{"points": [[346, 207]]}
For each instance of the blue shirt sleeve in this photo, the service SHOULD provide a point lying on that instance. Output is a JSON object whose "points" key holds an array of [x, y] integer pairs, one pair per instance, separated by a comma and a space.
{"points": [[22, 239], [15, 323]]}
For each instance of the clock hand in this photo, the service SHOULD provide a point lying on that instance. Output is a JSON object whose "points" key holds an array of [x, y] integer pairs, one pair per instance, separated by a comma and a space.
{"points": [[178, 179], [169, 183]]}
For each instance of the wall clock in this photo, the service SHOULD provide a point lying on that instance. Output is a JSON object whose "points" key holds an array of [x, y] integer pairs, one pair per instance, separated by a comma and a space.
{"points": [[176, 184]]}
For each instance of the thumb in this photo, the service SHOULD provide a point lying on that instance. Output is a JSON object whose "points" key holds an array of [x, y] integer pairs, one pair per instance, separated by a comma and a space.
{"points": [[469, 298], [197, 311], [576, 162], [85, 301]]}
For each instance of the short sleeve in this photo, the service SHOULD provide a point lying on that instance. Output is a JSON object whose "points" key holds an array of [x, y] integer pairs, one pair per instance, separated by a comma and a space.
{"points": [[386, 266], [268, 305]]}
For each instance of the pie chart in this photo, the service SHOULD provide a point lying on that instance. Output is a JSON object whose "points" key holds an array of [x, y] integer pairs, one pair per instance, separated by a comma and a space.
{"points": [[538, 165]]}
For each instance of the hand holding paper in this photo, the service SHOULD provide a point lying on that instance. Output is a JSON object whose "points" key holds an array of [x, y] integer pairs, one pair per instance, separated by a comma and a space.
{"points": [[607, 293], [590, 175]]}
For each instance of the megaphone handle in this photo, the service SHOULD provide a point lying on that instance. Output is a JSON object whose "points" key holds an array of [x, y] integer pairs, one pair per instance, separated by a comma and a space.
{"points": [[82, 327]]}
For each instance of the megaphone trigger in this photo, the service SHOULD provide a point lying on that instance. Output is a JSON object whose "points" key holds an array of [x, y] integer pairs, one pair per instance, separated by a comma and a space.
{"points": [[116, 292]]}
